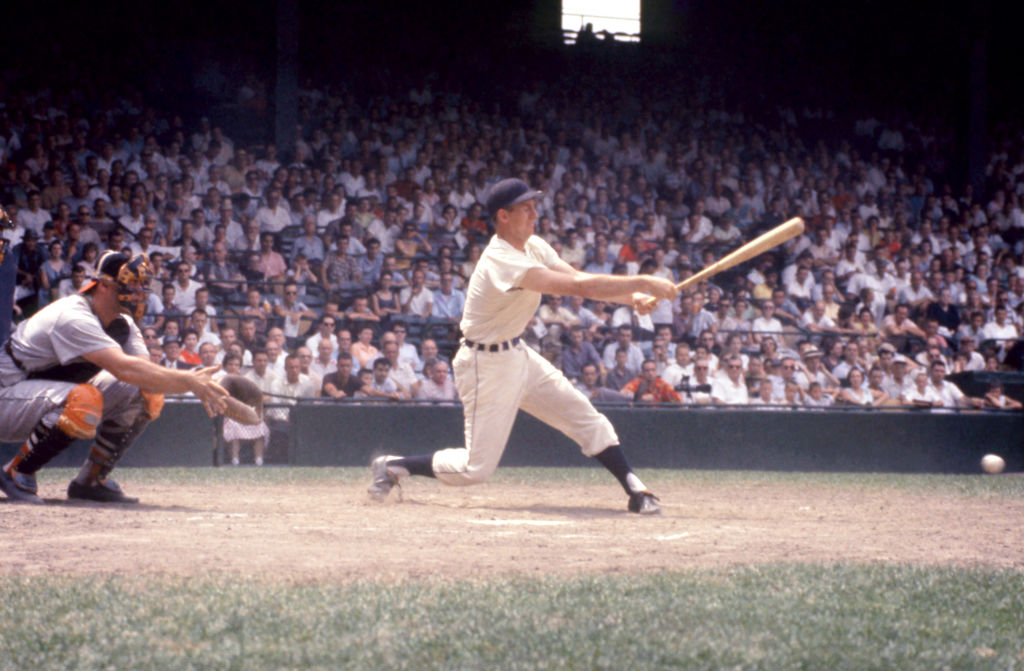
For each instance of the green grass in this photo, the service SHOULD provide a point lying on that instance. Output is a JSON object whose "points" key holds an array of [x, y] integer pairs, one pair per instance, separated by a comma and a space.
{"points": [[774, 617], [791, 616]]}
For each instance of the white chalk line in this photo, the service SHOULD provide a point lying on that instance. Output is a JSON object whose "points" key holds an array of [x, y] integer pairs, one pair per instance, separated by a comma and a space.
{"points": [[524, 523]]}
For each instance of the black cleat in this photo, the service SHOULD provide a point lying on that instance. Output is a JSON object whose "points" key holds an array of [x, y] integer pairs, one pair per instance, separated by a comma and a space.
{"points": [[106, 491], [644, 503], [20, 487]]}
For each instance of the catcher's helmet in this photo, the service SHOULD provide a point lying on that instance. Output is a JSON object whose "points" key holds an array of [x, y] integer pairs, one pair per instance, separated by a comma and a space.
{"points": [[131, 273]]}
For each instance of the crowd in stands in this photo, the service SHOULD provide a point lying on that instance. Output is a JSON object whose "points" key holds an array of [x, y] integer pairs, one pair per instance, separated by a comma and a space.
{"points": [[338, 270]]}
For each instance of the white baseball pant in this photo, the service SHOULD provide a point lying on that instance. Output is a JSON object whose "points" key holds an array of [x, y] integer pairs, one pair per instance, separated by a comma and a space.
{"points": [[493, 387]]}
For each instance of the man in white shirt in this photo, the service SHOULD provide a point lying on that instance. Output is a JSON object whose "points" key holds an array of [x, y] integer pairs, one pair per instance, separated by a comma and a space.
{"points": [[293, 385], [274, 216], [34, 217], [948, 392], [416, 299], [730, 389], [766, 325]]}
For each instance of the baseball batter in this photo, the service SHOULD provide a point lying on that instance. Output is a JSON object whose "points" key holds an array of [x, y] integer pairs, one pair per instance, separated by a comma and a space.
{"points": [[496, 374], [79, 369]]}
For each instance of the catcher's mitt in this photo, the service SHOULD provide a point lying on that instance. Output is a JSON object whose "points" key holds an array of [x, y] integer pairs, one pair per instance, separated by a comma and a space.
{"points": [[245, 400]]}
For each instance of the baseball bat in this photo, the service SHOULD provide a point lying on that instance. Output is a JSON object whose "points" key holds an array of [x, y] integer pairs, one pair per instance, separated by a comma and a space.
{"points": [[759, 245]]}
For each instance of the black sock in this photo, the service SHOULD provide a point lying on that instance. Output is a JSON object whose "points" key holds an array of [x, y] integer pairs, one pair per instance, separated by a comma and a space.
{"points": [[417, 465], [614, 460]]}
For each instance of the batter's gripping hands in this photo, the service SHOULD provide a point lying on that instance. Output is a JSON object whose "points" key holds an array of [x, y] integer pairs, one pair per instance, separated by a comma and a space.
{"points": [[245, 401]]}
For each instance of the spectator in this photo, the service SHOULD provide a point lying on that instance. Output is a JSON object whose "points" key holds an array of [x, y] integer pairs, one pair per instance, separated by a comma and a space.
{"points": [[416, 299], [730, 389], [249, 337], [996, 398], [324, 363], [448, 301], [273, 217], [855, 392], [208, 354], [680, 370], [876, 379], [308, 243], [363, 350], [634, 355], [649, 387], [401, 372], [589, 385], [371, 263], [766, 326], [698, 392], [234, 432], [271, 266], [324, 333], [378, 384], [293, 311], [190, 348], [438, 385], [816, 396], [579, 353], [897, 327], [185, 288], [619, 375], [1001, 330], [172, 354], [920, 394], [341, 383], [340, 271], [949, 393], [294, 384], [305, 366], [257, 309]]}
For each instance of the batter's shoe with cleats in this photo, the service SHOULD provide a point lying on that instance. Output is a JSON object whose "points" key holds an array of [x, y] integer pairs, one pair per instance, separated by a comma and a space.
{"points": [[383, 480], [105, 491], [644, 503], [20, 487]]}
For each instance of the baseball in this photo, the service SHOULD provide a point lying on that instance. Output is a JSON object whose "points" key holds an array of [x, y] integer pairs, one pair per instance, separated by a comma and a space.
{"points": [[992, 463]]}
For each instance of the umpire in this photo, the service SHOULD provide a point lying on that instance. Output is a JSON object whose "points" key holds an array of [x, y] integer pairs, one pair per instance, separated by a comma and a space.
{"points": [[79, 369]]}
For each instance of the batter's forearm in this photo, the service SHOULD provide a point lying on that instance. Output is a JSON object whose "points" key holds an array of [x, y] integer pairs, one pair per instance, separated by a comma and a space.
{"points": [[614, 288]]}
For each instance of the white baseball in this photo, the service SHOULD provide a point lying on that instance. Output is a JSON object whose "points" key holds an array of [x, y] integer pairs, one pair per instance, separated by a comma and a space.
{"points": [[992, 463]]}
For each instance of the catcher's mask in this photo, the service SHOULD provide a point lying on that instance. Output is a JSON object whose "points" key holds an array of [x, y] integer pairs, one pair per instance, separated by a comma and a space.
{"points": [[130, 273]]}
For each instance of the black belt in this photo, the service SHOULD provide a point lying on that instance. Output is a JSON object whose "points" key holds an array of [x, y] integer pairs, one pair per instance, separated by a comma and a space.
{"points": [[497, 347], [10, 353]]}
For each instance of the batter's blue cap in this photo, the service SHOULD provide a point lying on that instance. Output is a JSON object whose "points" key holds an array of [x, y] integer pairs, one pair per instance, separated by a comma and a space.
{"points": [[508, 192]]}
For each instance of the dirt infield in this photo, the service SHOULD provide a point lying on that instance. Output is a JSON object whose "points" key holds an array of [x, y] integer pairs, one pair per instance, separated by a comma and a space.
{"points": [[324, 531]]}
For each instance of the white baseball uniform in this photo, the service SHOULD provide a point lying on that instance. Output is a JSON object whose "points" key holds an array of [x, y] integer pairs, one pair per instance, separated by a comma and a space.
{"points": [[494, 385]]}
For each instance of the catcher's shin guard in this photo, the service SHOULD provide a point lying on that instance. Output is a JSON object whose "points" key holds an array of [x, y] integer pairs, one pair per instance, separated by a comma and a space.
{"points": [[44, 443], [111, 444]]}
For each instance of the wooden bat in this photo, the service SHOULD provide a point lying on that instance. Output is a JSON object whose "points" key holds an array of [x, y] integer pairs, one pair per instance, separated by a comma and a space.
{"points": [[759, 245]]}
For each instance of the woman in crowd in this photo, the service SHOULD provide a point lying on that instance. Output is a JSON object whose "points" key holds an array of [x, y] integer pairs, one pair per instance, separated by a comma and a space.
{"points": [[384, 300], [53, 270]]}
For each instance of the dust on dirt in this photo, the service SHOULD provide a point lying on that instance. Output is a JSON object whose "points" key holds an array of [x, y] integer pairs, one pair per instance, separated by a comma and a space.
{"points": [[331, 532]]}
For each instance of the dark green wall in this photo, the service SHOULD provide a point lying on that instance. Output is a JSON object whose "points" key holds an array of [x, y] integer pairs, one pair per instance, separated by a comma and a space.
{"points": [[908, 441], [348, 435]]}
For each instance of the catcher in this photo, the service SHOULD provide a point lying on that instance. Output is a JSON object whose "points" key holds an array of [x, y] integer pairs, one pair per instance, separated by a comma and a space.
{"points": [[79, 369]]}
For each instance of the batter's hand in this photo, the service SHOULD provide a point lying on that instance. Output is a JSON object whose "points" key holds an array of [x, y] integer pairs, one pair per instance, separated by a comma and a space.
{"points": [[208, 391], [659, 287], [644, 304]]}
